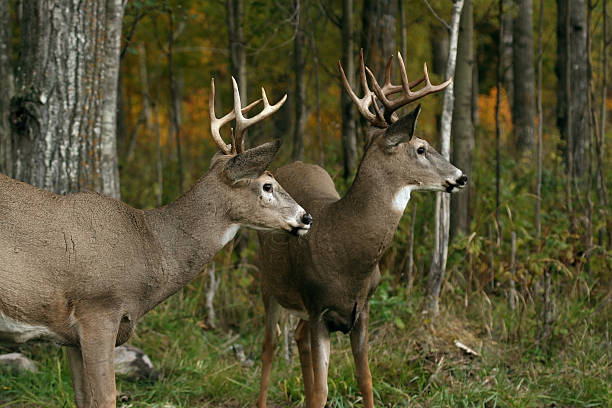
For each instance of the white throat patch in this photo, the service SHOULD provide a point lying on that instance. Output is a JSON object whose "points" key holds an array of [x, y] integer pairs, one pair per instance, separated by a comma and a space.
{"points": [[400, 201], [229, 234]]}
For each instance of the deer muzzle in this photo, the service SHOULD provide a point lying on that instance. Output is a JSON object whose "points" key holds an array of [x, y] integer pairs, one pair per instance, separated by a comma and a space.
{"points": [[303, 225], [457, 184]]}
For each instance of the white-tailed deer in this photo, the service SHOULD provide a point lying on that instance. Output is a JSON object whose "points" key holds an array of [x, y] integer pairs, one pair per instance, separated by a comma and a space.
{"points": [[328, 276], [81, 269]]}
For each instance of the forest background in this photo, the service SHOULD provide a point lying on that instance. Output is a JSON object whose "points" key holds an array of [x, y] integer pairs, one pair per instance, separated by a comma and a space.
{"points": [[527, 284]]}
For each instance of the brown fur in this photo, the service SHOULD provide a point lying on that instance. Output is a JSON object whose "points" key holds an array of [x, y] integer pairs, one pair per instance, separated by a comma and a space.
{"points": [[83, 268], [330, 273]]}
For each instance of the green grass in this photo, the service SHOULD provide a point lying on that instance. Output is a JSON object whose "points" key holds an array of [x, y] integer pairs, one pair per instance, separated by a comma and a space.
{"points": [[412, 364]]}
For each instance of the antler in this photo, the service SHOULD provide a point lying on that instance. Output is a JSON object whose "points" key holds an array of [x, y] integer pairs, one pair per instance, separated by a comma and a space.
{"points": [[386, 118], [363, 103], [242, 123]]}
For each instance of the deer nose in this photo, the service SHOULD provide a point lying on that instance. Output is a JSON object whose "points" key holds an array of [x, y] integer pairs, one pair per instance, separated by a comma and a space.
{"points": [[462, 180], [307, 219]]}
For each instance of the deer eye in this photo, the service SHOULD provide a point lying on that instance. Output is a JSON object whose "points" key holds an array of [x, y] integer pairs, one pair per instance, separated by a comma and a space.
{"points": [[421, 150], [267, 188]]}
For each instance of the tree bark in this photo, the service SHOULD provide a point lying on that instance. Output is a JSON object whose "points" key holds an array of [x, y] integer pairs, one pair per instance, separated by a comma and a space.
{"points": [[462, 126], [599, 142], [524, 77], [403, 29], [540, 124], [299, 61], [349, 131], [475, 81], [508, 10], [439, 48], [237, 52], [6, 84], [176, 96], [438, 264], [578, 141], [378, 35], [63, 116], [498, 128]]}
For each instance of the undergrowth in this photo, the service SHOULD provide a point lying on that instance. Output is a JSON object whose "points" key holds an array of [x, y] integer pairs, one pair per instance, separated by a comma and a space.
{"points": [[413, 363]]}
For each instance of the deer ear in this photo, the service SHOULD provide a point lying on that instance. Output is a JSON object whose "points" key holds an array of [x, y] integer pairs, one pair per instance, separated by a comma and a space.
{"points": [[402, 130], [251, 163]]}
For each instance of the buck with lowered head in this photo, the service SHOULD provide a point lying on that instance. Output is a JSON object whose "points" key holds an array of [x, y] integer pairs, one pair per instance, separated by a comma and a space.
{"points": [[81, 269], [328, 276]]}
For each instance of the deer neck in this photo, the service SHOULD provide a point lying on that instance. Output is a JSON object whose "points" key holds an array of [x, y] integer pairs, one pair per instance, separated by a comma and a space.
{"points": [[189, 232], [368, 215]]}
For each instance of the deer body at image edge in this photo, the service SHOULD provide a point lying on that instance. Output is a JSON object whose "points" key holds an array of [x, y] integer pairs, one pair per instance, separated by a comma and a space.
{"points": [[81, 269], [328, 276]]}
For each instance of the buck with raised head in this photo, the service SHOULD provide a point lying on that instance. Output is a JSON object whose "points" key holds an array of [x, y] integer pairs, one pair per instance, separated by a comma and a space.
{"points": [[328, 276], [81, 269]]}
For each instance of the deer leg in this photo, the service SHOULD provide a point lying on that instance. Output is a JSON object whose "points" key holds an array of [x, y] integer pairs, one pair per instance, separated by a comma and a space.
{"points": [[359, 346], [75, 359], [269, 345], [302, 338], [319, 356], [97, 336]]}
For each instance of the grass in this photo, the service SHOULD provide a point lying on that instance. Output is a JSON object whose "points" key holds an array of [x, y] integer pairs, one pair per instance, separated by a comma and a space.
{"points": [[413, 364]]}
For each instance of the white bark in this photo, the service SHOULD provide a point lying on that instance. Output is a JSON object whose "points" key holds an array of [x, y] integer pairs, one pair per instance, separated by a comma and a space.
{"points": [[64, 110], [438, 264]]}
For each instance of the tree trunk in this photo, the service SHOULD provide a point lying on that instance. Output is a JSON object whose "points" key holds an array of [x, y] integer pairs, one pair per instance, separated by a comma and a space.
{"points": [[599, 142], [378, 35], [508, 10], [475, 79], [438, 264], [63, 115], [299, 61], [403, 29], [237, 53], [176, 96], [316, 65], [349, 131], [524, 77], [438, 38], [462, 126], [6, 84], [540, 124], [578, 141], [439, 48], [498, 128]]}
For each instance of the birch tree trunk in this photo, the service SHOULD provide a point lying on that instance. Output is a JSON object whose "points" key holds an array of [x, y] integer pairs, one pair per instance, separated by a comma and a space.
{"points": [[6, 84], [438, 264], [63, 115], [462, 126], [349, 132]]}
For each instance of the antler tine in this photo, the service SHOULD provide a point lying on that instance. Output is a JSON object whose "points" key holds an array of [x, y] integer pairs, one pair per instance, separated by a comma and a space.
{"points": [[363, 103], [242, 123], [217, 123], [408, 95], [388, 88]]}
